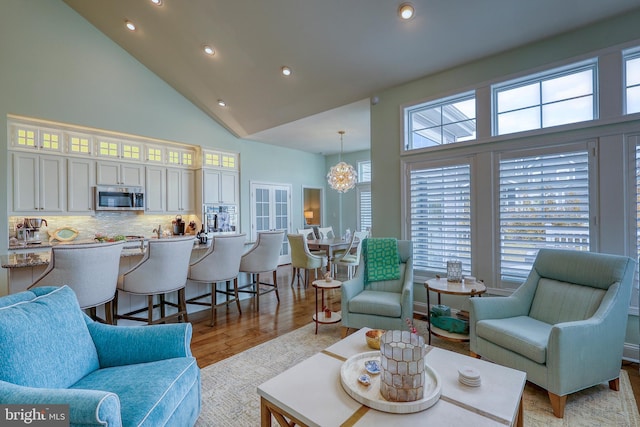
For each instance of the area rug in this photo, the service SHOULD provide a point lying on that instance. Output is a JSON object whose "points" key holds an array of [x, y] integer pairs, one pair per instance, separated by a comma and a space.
{"points": [[229, 396]]}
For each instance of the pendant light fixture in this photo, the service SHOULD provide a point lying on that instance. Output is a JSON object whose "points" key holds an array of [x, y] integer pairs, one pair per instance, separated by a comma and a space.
{"points": [[342, 177]]}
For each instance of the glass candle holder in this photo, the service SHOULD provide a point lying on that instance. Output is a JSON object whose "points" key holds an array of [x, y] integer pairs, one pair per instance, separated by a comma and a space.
{"points": [[402, 376], [454, 271]]}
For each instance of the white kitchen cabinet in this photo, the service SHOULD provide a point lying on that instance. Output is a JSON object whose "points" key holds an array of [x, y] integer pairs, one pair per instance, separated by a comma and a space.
{"points": [[180, 190], [219, 187], [114, 173], [155, 190], [81, 182], [39, 184]]}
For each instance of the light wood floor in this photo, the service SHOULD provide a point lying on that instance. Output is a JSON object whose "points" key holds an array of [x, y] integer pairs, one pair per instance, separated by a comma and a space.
{"points": [[234, 333]]}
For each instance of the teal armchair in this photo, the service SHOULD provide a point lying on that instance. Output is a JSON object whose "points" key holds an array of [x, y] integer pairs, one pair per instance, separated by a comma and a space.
{"points": [[380, 305], [565, 326], [52, 353]]}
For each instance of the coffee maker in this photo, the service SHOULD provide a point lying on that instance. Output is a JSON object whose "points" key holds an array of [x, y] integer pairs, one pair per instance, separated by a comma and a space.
{"points": [[29, 231]]}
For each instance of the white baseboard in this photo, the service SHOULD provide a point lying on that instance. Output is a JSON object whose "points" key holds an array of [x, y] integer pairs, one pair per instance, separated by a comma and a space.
{"points": [[631, 352]]}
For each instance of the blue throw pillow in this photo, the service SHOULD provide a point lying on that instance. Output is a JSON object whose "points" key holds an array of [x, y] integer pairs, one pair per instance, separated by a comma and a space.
{"points": [[45, 342]]}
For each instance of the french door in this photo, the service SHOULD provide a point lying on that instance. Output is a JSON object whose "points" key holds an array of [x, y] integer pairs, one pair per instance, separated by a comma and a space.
{"points": [[271, 210]]}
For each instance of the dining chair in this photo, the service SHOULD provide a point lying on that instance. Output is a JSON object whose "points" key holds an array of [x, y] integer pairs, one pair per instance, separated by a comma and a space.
{"points": [[303, 259], [326, 232], [162, 270], [221, 263], [262, 258], [90, 269], [309, 234], [351, 256]]}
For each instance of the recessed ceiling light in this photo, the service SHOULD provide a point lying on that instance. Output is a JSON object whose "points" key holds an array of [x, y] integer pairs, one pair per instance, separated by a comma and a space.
{"points": [[286, 71], [208, 50], [406, 11], [157, 2], [130, 25], [222, 103]]}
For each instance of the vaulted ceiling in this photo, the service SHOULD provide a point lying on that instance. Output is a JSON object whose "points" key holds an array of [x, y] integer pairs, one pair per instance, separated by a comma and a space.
{"points": [[341, 52]]}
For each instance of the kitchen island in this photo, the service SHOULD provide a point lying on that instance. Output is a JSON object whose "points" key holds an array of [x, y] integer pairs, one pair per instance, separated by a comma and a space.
{"points": [[24, 266], [27, 264]]}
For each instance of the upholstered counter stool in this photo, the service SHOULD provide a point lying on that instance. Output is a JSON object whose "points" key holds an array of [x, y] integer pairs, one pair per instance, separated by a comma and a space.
{"points": [[221, 263], [262, 258], [162, 270], [91, 270]]}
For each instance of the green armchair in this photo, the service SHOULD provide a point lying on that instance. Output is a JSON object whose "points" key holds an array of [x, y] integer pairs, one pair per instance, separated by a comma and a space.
{"points": [[565, 326], [383, 304]]}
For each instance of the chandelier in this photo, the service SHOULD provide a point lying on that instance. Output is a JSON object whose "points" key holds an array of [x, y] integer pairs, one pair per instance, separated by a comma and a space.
{"points": [[342, 177]]}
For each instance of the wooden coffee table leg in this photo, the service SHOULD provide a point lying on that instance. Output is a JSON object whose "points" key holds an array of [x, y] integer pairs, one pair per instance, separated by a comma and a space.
{"points": [[265, 413], [520, 416]]}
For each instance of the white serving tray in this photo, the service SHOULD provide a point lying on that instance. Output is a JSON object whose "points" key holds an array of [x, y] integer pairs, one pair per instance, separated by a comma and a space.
{"points": [[370, 395]]}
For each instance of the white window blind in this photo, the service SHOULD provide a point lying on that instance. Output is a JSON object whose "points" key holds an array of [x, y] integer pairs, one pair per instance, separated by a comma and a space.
{"points": [[440, 203], [364, 207], [544, 203]]}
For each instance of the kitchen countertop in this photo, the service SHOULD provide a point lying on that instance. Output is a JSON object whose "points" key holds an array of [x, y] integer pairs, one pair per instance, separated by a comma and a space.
{"points": [[27, 257]]}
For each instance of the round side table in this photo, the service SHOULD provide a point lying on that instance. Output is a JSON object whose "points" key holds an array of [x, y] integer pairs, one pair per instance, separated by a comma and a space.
{"points": [[441, 286], [321, 316]]}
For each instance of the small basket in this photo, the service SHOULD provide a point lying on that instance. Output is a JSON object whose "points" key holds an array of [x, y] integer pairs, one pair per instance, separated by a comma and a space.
{"points": [[373, 338]]}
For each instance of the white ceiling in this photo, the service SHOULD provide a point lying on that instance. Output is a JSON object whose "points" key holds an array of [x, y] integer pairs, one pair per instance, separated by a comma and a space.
{"points": [[342, 53]]}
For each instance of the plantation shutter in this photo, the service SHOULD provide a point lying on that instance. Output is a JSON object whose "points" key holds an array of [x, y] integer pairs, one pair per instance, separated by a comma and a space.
{"points": [[440, 204], [544, 203]]}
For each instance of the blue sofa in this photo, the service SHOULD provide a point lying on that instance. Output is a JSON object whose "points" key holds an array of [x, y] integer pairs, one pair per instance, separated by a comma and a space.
{"points": [[52, 353]]}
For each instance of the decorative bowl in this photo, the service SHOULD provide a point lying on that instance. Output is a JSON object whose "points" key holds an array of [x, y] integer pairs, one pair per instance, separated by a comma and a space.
{"points": [[372, 367], [373, 338]]}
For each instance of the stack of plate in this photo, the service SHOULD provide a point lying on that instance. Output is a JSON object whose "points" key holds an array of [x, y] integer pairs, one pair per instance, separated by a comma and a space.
{"points": [[469, 376]]}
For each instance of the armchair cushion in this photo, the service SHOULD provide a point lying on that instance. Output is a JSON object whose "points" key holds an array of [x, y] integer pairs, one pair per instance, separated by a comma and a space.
{"points": [[147, 394], [376, 302], [34, 353], [522, 334], [556, 302]]}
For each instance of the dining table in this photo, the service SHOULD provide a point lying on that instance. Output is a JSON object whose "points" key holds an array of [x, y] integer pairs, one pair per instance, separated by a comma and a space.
{"points": [[328, 245]]}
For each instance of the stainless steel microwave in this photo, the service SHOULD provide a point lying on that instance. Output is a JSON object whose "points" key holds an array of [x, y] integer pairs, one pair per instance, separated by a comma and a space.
{"points": [[119, 198]]}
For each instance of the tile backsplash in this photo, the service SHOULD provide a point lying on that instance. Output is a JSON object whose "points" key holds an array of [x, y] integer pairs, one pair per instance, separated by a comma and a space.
{"points": [[107, 223]]}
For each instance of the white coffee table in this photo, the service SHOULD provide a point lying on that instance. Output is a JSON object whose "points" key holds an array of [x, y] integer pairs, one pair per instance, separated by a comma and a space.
{"points": [[310, 393]]}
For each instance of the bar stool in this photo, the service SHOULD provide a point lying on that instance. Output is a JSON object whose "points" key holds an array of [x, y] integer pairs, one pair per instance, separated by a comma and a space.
{"points": [[91, 270], [262, 258], [221, 263], [163, 269]]}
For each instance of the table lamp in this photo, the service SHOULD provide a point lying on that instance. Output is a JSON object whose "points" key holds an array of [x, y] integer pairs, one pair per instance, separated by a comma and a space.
{"points": [[308, 216]]}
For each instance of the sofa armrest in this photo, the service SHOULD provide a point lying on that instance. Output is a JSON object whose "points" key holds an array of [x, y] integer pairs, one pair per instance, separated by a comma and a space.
{"points": [[127, 345], [86, 407]]}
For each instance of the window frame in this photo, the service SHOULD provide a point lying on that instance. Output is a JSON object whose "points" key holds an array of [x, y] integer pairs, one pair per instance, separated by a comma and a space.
{"points": [[539, 78], [628, 55], [409, 110]]}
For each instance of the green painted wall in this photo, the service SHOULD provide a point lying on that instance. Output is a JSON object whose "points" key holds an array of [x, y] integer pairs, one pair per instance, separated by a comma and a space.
{"points": [[386, 114], [56, 66]]}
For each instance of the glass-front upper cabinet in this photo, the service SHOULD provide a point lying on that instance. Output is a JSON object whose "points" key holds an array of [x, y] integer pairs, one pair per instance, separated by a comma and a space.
{"points": [[36, 138]]}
